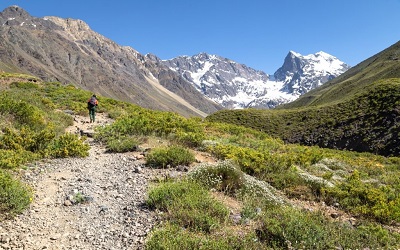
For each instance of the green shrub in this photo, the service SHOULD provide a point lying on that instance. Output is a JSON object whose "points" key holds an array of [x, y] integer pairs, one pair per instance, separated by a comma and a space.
{"points": [[163, 124], [190, 139], [14, 195], [78, 198], [188, 205], [379, 202], [223, 176], [122, 144], [172, 236], [69, 145], [25, 139], [11, 159], [24, 113], [289, 228], [170, 156], [24, 85]]}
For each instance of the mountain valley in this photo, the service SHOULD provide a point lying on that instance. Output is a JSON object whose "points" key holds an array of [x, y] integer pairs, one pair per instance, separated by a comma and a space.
{"points": [[68, 51], [196, 152]]}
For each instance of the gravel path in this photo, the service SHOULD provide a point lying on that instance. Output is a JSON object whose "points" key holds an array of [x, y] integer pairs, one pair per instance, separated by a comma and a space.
{"points": [[97, 202]]}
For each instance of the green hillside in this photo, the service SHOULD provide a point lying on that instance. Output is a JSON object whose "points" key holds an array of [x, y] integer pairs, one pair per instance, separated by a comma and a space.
{"points": [[356, 111], [262, 174], [383, 65], [368, 122]]}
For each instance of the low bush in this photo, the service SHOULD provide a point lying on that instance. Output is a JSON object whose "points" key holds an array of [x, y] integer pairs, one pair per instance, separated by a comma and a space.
{"points": [[223, 176], [169, 156], [379, 202], [14, 195], [69, 145], [172, 236], [123, 144], [289, 228], [188, 205], [23, 112], [26, 139], [142, 122], [11, 159]]}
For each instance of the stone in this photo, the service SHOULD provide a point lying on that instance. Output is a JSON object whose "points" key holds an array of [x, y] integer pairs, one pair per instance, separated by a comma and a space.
{"points": [[55, 237], [140, 157], [67, 203], [335, 215], [138, 170]]}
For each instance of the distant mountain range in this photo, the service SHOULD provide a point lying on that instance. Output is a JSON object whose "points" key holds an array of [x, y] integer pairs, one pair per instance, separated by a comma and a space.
{"points": [[235, 85], [358, 110], [68, 51]]}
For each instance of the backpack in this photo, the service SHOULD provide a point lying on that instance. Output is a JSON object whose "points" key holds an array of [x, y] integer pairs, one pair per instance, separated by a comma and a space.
{"points": [[92, 102]]}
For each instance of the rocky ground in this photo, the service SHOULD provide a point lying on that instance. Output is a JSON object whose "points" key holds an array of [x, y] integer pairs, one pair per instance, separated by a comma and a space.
{"points": [[97, 202]]}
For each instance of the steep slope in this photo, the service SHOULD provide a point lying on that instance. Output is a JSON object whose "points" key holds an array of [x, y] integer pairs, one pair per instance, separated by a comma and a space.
{"points": [[367, 122], [383, 65], [235, 85], [301, 74], [68, 51], [357, 111]]}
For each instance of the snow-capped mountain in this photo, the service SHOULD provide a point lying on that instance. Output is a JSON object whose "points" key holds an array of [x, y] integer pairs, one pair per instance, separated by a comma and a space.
{"points": [[300, 73], [235, 85]]}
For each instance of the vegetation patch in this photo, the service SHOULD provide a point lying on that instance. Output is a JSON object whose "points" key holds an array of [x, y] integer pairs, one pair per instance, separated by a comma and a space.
{"points": [[258, 167], [366, 122], [188, 205], [14, 195], [123, 144], [380, 202], [289, 228], [171, 156], [172, 236], [224, 176]]}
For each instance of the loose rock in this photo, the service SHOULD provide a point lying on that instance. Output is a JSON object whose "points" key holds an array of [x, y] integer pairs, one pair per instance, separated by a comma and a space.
{"points": [[106, 215]]}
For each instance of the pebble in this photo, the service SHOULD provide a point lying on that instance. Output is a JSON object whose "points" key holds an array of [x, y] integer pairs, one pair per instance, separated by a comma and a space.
{"points": [[67, 203], [105, 219]]}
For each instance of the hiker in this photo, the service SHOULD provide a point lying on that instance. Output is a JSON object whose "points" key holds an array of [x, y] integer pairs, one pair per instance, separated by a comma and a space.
{"points": [[92, 104]]}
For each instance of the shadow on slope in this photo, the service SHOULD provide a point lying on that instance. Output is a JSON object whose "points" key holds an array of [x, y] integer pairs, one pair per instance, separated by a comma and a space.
{"points": [[367, 122]]}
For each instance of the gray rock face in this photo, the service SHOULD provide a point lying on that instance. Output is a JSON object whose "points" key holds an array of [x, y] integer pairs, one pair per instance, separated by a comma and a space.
{"points": [[301, 74], [68, 51], [235, 85], [218, 78]]}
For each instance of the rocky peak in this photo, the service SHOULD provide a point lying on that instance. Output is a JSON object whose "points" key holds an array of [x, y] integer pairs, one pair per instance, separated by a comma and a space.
{"points": [[220, 79], [15, 12], [74, 25], [235, 85], [152, 57], [291, 65], [16, 16], [301, 73]]}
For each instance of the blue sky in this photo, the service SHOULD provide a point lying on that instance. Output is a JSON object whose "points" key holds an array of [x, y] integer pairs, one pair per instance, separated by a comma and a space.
{"points": [[258, 33]]}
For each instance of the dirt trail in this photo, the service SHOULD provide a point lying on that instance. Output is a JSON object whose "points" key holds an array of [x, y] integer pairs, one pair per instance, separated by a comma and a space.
{"points": [[97, 202], [111, 189]]}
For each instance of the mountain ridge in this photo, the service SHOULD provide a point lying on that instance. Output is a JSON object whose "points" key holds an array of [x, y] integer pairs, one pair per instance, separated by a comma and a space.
{"points": [[236, 85], [357, 111], [379, 66], [68, 51]]}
